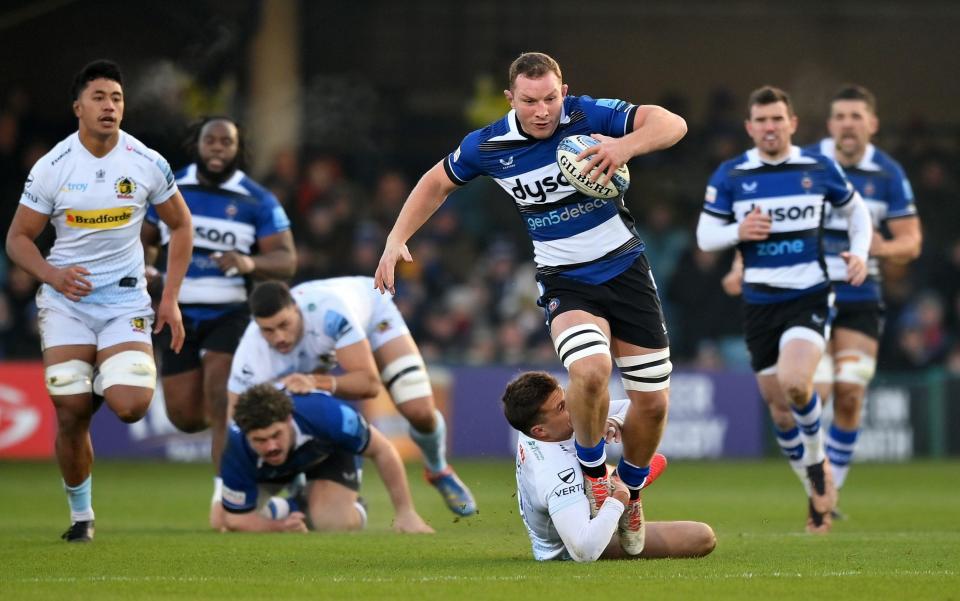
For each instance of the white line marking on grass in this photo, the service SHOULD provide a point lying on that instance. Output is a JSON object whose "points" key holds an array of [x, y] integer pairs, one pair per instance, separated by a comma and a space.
{"points": [[455, 578]]}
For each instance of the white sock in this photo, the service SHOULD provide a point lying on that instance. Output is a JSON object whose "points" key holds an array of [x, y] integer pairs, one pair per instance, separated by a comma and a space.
{"points": [[217, 490]]}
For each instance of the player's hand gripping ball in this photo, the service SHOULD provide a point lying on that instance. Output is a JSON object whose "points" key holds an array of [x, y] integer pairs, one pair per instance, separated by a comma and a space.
{"points": [[573, 170]]}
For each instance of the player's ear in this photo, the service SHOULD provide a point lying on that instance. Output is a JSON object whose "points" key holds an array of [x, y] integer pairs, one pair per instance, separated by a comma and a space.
{"points": [[76, 108], [509, 96], [537, 432], [563, 90]]}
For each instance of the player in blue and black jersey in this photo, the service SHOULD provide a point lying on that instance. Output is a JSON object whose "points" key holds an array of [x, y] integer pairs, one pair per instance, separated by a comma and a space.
{"points": [[846, 370], [596, 286], [276, 438], [240, 231], [769, 202]]}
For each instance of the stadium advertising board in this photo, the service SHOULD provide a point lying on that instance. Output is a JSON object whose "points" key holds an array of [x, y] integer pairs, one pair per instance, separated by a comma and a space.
{"points": [[28, 422]]}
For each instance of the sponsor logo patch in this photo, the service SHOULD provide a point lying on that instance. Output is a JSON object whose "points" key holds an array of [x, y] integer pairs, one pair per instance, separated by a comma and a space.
{"points": [[99, 219], [566, 475], [234, 497]]}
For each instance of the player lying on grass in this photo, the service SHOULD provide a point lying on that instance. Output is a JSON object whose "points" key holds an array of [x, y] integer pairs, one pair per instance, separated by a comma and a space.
{"points": [[276, 437], [553, 504]]}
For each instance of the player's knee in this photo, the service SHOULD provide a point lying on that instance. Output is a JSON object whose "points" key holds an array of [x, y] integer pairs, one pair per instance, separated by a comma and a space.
{"points": [[420, 416], [653, 407], [855, 368], [705, 541], [70, 377], [646, 373], [406, 379], [189, 422], [129, 368], [848, 400], [132, 412]]}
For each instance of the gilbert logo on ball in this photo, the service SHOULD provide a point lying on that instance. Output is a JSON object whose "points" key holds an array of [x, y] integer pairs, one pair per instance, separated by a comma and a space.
{"points": [[573, 170]]}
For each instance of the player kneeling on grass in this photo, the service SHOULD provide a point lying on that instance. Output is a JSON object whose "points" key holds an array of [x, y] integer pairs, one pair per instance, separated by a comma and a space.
{"points": [[277, 436], [550, 488]]}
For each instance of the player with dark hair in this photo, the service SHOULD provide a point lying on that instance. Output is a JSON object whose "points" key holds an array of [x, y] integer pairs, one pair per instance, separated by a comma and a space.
{"points": [[769, 203], [550, 485], [297, 333], [277, 438], [240, 232], [597, 289], [95, 316], [846, 370]]}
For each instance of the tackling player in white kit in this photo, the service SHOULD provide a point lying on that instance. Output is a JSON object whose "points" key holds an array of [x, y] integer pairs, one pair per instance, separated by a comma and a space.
{"points": [[550, 486], [296, 332], [94, 310]]}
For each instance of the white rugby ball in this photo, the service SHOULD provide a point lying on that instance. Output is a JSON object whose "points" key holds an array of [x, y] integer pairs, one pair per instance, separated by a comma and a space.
{"points": [[573, 170]]}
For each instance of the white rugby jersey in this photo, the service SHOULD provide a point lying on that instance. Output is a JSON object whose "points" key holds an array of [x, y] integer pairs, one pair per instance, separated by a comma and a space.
{"points": [[886, 191], [587, 239], [789, 263], [96, 206], [550, 493], [337, 312]]}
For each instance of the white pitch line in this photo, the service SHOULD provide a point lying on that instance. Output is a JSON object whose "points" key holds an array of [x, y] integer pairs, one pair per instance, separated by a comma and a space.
{"points": [[454, 578]]}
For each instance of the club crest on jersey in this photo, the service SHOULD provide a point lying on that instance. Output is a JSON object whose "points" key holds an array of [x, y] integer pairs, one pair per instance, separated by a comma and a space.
{"points": [[139, 324], [806, 182], [125, 187], [231, 211], [869, 190], [101, 175], [383, 326]]}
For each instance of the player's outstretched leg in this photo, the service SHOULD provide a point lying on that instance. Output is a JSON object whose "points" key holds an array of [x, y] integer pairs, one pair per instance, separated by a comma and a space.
{"points": [[632, 529]]}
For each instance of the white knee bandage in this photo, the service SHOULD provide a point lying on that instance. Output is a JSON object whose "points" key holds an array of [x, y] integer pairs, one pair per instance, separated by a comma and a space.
{"points": [[855, 367], [581, 341], [406, 379], [69, 377], [646, 373], [824, 373], [130, 368]]}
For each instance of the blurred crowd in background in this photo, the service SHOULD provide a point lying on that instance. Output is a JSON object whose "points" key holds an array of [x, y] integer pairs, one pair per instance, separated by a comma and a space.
{"points": [[470, 296]]}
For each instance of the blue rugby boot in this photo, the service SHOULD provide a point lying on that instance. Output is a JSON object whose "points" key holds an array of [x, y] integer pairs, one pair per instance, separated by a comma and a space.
{"points": [[458, 497]]}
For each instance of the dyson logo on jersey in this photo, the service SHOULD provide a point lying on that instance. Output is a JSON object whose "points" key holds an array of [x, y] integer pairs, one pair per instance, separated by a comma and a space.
{"points": [[544, 186], [786, 213], [99, 219], [565, 214]]}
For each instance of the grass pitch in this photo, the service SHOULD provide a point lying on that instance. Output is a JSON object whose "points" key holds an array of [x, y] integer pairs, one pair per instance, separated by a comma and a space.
{"points": [[901, 541]]}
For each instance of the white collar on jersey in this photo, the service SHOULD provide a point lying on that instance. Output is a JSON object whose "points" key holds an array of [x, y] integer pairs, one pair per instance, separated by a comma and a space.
{"points": [[514, 132], [232, 184], [867, 162]]}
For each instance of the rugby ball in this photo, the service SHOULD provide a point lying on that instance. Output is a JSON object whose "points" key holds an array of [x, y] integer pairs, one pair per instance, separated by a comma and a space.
{"points": [[573, 170]]}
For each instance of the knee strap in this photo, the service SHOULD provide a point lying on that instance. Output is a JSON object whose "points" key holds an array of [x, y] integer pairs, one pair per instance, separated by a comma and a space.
{"points": [[579, 341], [70, 377], [406, 379], [646, 373], [129, 368], [855, 367]]}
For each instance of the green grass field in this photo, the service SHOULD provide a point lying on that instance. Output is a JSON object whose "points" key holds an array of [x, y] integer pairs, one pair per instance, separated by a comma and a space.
{"points": [[901, 541]]}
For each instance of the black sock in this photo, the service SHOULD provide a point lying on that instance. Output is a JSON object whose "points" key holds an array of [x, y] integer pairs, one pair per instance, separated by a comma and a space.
{"points": [[597, 471]]}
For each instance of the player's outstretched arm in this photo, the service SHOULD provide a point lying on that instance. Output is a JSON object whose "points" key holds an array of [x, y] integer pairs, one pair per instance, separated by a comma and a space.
{"points": [[360, 379], [425, 198], [254, 522], [175, 214], [394, 477], [22, 250], [906, 242]]}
